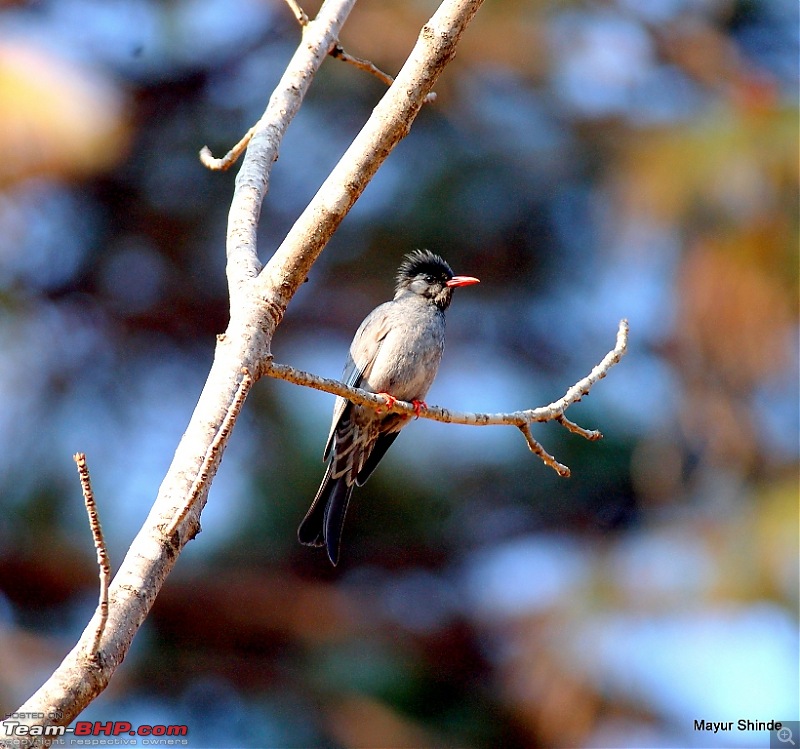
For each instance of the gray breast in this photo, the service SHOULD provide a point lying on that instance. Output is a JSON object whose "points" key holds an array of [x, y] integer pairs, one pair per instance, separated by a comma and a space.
{"points": [[410, 353]]}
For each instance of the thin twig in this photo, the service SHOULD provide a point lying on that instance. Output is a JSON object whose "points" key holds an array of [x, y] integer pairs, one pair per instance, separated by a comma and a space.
{"points": [[337, 51], [365, 65], [229, 159], [590, 434], [369, 67], [521, 419], [582, 387], [99, 544], [299, 13], [212, 453], [537, 449]]}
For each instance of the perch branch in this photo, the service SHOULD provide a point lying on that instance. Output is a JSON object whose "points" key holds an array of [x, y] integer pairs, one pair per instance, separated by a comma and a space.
{"points": [[521, 419], [99, 544]]}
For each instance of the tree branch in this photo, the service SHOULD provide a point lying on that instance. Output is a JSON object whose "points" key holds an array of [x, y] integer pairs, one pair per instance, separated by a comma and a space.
{"points": [[536, 448], [100, 546], [252, 182], [229, 159], [336, 51], [521, 419], [212, 453], [389, 123], [299, 13], [258, 299], [339, 53]]}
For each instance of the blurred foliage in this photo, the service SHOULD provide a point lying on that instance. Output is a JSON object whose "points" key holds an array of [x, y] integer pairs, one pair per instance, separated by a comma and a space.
{"points": [[588, 161]]}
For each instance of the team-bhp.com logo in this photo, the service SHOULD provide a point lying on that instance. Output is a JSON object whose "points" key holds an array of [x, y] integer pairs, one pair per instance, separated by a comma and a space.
{"points": [[85, 732]]}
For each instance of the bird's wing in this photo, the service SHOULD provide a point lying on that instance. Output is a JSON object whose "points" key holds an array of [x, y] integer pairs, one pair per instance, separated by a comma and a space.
{"points": [[363, 352], [382, 444]]}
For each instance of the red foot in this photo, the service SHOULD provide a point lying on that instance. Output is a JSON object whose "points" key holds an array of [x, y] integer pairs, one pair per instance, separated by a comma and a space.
{"points": [[418, 406], [390, 401]]}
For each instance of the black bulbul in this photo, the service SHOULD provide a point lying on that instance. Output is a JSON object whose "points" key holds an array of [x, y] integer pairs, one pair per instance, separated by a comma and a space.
{"points": [[396, 351]]}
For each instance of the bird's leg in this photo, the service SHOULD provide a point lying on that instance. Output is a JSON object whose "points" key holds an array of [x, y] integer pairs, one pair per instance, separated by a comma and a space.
{"points": [[418, 406], [390, 401]]}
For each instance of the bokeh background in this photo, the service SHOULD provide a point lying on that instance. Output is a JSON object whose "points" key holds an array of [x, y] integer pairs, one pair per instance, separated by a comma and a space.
{"points": [[588, 160]]}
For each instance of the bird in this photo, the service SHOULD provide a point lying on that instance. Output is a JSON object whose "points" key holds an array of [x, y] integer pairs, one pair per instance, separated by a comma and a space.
{"points": [[396, 352]]}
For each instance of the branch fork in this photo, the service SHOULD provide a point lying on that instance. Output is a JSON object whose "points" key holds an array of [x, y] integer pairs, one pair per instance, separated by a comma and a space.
{"points": [[208, 160]]}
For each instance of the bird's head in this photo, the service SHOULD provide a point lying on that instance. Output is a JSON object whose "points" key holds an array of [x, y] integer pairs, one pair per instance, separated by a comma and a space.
{"points": [[424, 273]]}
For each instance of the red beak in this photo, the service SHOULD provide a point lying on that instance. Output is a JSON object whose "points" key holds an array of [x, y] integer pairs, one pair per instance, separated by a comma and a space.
{"points": [[456, 281]]}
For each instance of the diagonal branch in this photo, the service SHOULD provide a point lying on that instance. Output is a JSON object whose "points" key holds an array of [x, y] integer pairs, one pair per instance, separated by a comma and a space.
{"points": [[536, 448], [368, 67], [521, 419], [388, 124], [336, 51], [252, 182]]}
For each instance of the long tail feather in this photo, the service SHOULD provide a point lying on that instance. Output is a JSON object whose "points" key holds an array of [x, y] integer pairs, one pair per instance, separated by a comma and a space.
{"points": [[335, 511], [312, 529], [323, 523]]}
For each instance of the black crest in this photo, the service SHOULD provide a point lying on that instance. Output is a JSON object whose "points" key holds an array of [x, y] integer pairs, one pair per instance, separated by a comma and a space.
{"points": [[423, 262]]}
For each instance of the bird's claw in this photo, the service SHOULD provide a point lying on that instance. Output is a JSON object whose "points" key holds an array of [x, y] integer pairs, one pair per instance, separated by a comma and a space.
{"points": [[418, 406], [390, 401]]}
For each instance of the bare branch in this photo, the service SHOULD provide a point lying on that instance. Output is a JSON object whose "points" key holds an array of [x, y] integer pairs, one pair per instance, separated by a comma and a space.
{"points": [[582, 387], [258, 299], [521, 419], [252, 182], [365, 65], [339, 53], [212, 453], [230, 158], [99, 544], [79, 679], [299, 13], [589, 434], [388, 124], [537, 449]]}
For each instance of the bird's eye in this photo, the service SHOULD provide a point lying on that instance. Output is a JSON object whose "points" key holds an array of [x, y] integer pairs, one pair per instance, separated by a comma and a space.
{"points": [[430, 279]]}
